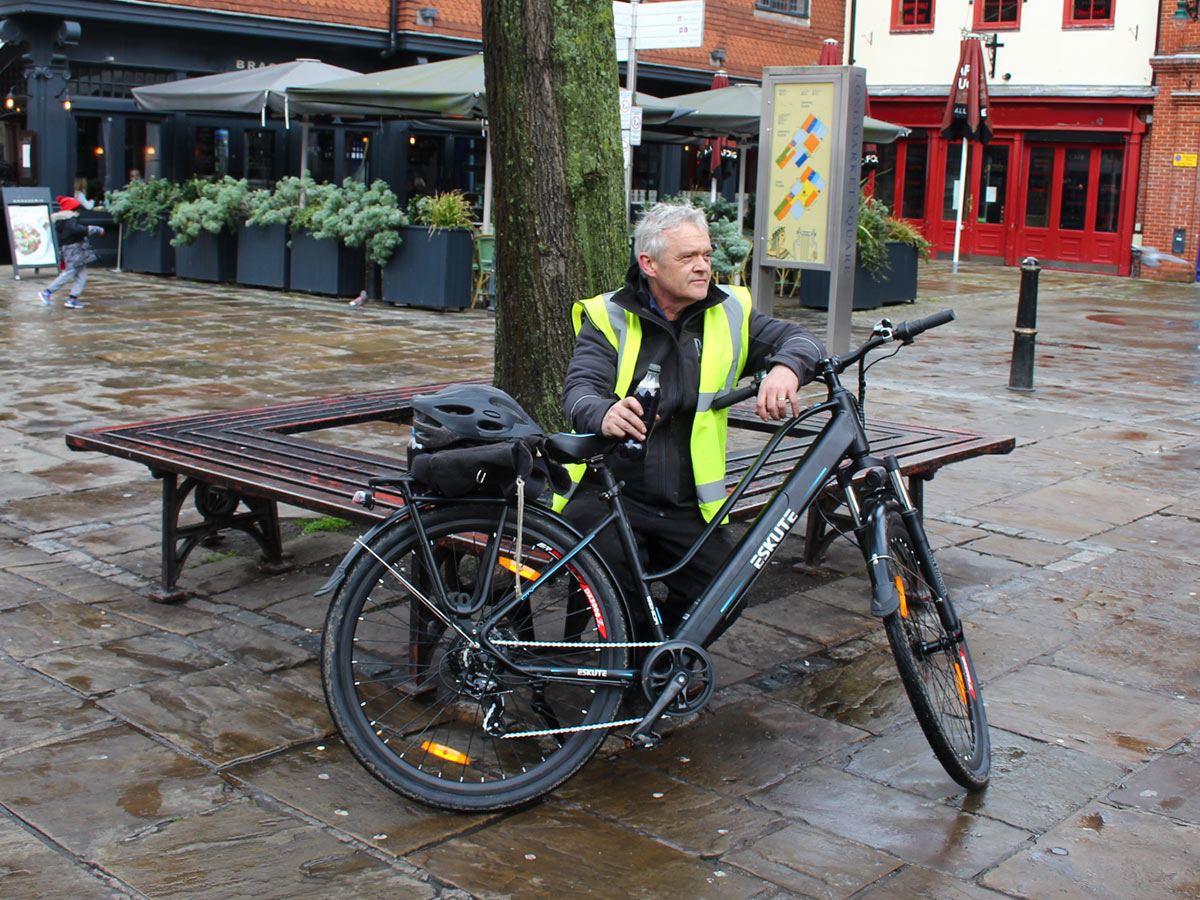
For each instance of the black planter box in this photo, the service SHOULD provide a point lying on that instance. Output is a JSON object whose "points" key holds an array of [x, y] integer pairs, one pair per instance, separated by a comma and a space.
{"points": [[325, 266], [147, 251], [431, 269], [263, 257], [212, 257], [898, 284]]}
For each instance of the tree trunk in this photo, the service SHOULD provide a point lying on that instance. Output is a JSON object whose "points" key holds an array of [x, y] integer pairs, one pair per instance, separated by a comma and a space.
{"points": [[559, 210]]}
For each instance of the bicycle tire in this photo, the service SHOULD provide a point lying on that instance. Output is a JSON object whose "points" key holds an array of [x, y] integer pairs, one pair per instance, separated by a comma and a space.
{"points": [[440, 722], [936, 670]]}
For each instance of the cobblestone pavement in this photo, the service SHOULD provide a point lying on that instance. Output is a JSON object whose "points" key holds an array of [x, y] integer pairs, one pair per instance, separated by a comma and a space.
{"points": [[155, 751]]}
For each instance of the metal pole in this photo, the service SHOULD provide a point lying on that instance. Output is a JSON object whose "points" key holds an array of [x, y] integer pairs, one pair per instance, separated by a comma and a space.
{"points": [[962, 201], [1020, 376], [631, 86]]}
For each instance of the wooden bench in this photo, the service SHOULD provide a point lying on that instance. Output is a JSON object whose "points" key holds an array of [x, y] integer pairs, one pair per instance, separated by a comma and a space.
{"points": [[239, 465]]}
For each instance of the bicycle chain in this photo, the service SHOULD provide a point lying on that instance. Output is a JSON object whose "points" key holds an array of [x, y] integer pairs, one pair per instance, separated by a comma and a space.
{"points": [[619, 724], [576, 645]]}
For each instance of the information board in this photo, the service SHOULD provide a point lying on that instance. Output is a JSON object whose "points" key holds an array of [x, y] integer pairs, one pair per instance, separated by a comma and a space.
{"points": [[31, 238]]}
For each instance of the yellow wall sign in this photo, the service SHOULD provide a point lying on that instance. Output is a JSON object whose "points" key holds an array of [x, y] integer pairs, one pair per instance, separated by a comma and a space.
{"points": [[1188, 160], [798, 225]]}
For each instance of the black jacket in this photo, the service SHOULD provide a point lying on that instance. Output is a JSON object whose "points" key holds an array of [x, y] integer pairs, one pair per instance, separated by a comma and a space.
{"points": [[664, 475], [69, 229]]}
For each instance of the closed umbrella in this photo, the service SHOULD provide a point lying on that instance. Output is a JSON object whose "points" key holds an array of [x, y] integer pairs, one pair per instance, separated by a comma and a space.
{"points": [[966, 118], [717, 144], [830, 55]]}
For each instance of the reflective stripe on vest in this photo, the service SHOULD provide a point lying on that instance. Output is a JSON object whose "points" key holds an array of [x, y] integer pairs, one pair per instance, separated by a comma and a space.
{"points": [[723, 356]]}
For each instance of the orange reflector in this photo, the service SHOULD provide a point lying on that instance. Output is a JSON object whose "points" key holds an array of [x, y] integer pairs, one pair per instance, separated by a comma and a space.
{"points": [[962, 687], [903, 597], [527, 573], [441, 751]]}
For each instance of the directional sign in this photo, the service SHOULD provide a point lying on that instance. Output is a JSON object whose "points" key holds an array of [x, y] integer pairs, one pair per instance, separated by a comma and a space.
{"points": [[625, 104], [663, 25], [635, 126]]}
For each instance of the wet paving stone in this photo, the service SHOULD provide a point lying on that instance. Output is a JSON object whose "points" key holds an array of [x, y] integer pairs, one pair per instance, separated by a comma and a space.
{"points": [[686, 816], [1028, 551], [109, 804], [1097, 854], [1132, 575], [1169, 786], [251, 647], [1175, 536], [895, 822], [223, 715], [118, 501], [30, 870], [916, 883], [243, 852], [550, 852], [174, 618], [67, 579], [46, 626], [15, 591], [747, 744], [812, 619], [759, 646], [34, 710], [859, 689], [814, 863], [117, 665], [1101, 718], [323, 781], [1033, 785], [1141, 652]]}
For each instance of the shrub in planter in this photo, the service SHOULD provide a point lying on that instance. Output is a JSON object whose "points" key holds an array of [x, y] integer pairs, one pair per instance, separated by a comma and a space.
{"points": [[141, 209], [434, 266], [264, 251], [205, 226], [885, 264], [338, 232]]}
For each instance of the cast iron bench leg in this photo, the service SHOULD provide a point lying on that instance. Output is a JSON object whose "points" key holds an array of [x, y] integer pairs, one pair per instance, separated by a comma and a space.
{"points": [[218, 510]]}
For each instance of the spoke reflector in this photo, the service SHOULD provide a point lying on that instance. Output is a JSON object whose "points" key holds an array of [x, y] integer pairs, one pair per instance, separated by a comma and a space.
{"points": [[441, 751], [527, 573], [903, 597]]}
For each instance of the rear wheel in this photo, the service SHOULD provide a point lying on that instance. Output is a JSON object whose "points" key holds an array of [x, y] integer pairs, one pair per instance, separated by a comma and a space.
{"points": [[420, 700], [936, 669]]}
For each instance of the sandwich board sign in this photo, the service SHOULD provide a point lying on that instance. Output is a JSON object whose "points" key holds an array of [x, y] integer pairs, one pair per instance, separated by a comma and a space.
{"points": [[31, 238]]}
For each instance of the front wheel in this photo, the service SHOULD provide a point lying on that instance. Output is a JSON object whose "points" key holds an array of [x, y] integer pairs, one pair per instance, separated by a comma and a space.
{"points": [[417, 694], [936, 668]]}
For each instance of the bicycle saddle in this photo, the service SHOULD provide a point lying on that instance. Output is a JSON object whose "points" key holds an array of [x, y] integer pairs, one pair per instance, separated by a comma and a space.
{"points": [[564, 447]]}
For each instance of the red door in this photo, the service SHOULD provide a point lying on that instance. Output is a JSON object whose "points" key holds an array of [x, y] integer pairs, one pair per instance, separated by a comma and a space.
{"points": [[986, 214], [1072, 203]]}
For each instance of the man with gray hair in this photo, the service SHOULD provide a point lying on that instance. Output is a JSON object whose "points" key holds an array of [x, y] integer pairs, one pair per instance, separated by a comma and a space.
{"points": [[703, 337]]}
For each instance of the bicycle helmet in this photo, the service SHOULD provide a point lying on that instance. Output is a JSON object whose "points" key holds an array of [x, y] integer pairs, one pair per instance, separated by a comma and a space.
{"points": [[468, 414]]}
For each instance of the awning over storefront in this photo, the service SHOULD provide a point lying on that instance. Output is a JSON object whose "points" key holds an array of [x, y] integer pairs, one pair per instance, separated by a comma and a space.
{"points": [[243, 91]]}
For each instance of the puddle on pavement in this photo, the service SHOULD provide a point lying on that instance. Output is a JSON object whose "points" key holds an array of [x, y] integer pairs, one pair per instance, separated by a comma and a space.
{"points": [[1146, 322]]}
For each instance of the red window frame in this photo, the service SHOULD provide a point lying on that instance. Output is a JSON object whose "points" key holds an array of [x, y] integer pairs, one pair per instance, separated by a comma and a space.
{"points": [[898, 10], [981, 6], [1070, 20]]}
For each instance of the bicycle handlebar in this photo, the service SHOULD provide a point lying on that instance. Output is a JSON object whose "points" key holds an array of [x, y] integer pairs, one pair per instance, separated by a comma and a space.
{"points": [[885, 332]]}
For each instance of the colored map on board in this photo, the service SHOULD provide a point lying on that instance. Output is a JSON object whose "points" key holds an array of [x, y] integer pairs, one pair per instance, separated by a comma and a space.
{"points": [[800, 176]]}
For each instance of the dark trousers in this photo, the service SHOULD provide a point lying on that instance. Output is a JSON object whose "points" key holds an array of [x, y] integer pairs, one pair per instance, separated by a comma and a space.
{"points": [[664, 536]]}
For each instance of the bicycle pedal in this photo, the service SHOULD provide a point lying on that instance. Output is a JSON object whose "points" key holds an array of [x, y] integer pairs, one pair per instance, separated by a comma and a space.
{"points": [[647, 741]]}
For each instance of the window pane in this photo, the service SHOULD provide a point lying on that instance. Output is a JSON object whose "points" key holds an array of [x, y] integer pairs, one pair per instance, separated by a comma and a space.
{"points": [[1000, 10], [1087, 10], [212, 152], [993, 185], [320, 154], [790, 7], [912, 204], [143, 144], [885, 174], [916, 12], [357, 145], [1037, 198], [1108, 200], [260, 154], [953, 162], [1072, 216]]}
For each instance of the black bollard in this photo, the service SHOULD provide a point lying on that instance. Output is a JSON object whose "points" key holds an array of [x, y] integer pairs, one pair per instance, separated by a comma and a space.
{"points": [[1020, 376]]}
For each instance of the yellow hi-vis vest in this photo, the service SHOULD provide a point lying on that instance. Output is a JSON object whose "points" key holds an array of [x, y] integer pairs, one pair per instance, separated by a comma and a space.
{"points": [[722, 358]]}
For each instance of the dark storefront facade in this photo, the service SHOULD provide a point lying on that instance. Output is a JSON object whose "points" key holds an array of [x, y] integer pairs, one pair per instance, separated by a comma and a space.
{"points": [[1058, 181]]}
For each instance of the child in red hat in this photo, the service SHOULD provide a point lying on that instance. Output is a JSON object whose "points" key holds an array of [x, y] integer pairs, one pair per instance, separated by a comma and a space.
{"points": [[75, 249]]}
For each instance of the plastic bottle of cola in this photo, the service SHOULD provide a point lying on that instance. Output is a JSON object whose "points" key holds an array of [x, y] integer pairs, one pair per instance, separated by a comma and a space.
{"points": [[647, 393]]}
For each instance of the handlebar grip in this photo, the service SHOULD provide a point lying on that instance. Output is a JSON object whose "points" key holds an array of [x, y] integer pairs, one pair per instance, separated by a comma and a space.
{"points": [[735, 396], [906, 331]]}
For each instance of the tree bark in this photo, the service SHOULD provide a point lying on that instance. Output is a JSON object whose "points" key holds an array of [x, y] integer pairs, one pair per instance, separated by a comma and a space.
{"points": [[558, 200]]}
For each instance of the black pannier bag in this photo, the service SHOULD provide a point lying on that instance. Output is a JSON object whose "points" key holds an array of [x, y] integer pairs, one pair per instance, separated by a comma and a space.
{"points": [[476, 439]]}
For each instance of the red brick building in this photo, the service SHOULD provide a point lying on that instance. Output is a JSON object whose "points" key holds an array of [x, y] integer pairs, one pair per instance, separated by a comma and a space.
{"points": [[1170, 202]]}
